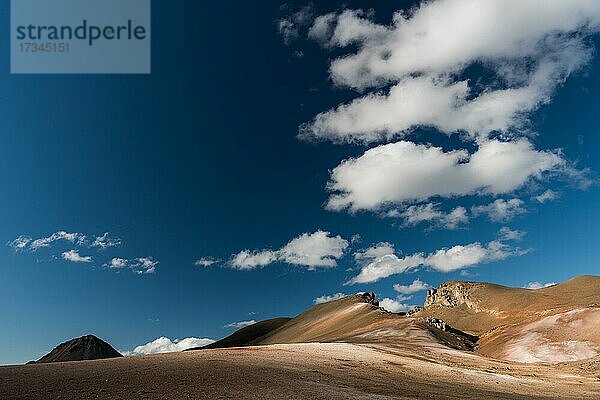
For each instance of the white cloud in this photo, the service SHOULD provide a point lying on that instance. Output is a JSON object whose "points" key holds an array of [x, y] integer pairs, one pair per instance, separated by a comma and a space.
{"points": [[380, 249], [118, 263], [328, 298], [144, 265], [416, 172], [443, 260], [141, 265], [500, 210], [507, 234], [74, 256], [247, 260], [240, 324], [76, 238], [430, 212], [318, 249], [101, 242], [206, 261], [387, 265], [548, 195], [530, 46], [394, 306], [538, 285], [459, 257], [417, 286], [20, 243], [165, 345], [105, 241], [312, 250]]}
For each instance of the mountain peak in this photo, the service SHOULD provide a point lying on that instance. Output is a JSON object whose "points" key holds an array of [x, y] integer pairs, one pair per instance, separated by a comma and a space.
{"points": [[88, 347]]}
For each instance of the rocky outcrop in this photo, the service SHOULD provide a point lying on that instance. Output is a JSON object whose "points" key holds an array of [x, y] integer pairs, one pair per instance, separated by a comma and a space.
{"points": [[369, 297], [413, 311], [450, 294], [437, 323], [450, 336]]}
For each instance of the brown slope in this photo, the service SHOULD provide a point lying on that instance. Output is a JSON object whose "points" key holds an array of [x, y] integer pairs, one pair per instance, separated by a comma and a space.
{"points": [[478, 307], [356, 319], [554, 324], [246, 335], [87, 347]]}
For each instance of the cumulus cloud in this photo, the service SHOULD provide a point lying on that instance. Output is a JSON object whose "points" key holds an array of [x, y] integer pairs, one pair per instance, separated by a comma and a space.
{"points": [[328, 298], [443, 260], [106, 241], [531, 47], [416, 286], [206, 261], [458, 257], [312, 250], [500, 210], [318, 249], [74, 256], [548, 195], [394, 306], [141, 265], [247, 260], [165, 345], [416, 172], [240, 324], [387, 265], [538, 285]]}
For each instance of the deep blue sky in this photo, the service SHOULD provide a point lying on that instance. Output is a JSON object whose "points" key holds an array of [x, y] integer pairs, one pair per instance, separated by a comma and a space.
{"points": [[200, 158]]}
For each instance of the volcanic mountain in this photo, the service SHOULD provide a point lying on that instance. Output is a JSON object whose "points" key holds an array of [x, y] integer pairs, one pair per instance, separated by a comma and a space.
{"points": [[87, 347]]}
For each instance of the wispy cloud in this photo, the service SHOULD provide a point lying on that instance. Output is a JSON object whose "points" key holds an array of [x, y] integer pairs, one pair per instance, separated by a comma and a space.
{"points": [[206, 261], [141, 265], [20, 243], [106, 241], [538, 285], [240, 324], [501, 210], [26, 242], [328, 298], [77, 238], [507, 234], [547, 196], [430, 213], [289, 26]]}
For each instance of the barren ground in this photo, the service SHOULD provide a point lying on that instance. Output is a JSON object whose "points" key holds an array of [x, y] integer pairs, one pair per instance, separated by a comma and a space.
{"points": [[300, 371]]}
